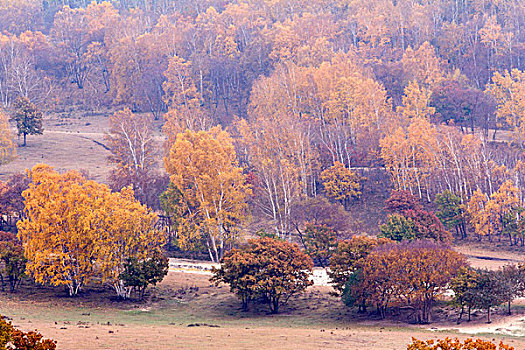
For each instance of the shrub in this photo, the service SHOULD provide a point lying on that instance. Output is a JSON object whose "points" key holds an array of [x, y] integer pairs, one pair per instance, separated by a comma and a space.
{"points": [[137, 275], [12, 261]]}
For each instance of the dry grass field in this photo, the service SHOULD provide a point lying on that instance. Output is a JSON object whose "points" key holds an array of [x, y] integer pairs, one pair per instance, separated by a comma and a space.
{"points": [[68, 142]]}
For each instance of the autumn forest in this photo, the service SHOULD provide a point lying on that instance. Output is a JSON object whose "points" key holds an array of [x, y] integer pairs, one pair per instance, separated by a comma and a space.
{"points": [[381, 142]]}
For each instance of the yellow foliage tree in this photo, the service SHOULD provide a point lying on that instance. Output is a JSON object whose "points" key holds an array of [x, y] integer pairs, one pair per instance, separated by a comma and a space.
{"points": [[476, 212], [75, 230], [410, 154], [508, 89], [423, 65], [203, 168], [340, 183], [7, 146], [416, 102], [126, 229], [488, 215]]}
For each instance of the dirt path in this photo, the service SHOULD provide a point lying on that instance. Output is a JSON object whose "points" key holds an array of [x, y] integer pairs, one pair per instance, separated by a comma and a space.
{"points": [[485, 258], [319, 276]]}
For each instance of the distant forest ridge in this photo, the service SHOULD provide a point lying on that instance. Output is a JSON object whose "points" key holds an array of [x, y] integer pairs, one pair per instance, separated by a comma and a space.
{"points": [[305, 90], [88, 55]]}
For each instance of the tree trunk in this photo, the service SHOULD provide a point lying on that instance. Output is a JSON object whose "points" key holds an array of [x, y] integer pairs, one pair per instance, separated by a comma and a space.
{"points": [[24, 140], [461, 314]]}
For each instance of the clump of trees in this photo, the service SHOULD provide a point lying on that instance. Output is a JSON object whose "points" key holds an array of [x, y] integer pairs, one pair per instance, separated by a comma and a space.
{"points": [[139, 274], [486, 289], [348, 258], [413, 274], [267, 270], [76, 230], [451, 212], [409, 221], [320, 243]]}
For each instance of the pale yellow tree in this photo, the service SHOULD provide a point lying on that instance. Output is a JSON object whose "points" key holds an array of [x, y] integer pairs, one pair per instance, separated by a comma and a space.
{"points": [[184, 101], [423, 65], [268, 150], [7, 146], [509, 91], [125, 229], [416, 102], [410, 155], [203, 167]]}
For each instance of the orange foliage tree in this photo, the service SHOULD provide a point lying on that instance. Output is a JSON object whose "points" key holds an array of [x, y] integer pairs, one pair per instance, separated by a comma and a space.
{"points": [[266, 268], [12, 338], [349, 256], [410, 273]]}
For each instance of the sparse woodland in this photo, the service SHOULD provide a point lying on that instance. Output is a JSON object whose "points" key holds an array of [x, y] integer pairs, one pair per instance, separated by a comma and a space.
{"points": [[278, 119]]}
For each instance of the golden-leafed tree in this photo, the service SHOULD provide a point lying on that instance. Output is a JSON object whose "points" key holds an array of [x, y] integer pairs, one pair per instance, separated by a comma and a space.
{"points": [[508, 89], [56, 233], [490, 215], [410, 154], [75, 230], [126, 229], [203, 168], [340, 183], [7, 146], [416, 102], [477, 214], [423, 65]]}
